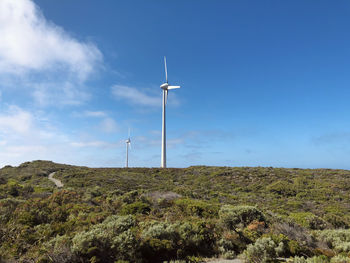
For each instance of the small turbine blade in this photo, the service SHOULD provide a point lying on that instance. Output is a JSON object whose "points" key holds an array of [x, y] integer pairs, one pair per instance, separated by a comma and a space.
{"points": [[166, 70], [173, 87]]}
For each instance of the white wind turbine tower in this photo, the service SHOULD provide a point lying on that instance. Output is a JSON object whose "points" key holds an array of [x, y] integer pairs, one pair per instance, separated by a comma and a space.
{"points": [[165, 87], [128, 144]]}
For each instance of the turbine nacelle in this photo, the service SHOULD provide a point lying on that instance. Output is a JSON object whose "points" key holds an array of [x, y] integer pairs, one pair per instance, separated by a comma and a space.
{"points": [[164, 86]]}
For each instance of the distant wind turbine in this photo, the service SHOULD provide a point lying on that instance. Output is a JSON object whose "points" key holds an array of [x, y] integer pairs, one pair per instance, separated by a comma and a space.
{"points": [[165, 87], [128, 144]]}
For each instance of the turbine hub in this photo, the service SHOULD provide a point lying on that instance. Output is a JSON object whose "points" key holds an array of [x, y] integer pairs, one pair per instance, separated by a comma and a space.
{"points": [[164, 86]]}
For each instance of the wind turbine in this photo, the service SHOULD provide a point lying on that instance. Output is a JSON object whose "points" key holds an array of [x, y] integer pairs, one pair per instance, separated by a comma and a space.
{"points": [[165, 87], [128, 144]]}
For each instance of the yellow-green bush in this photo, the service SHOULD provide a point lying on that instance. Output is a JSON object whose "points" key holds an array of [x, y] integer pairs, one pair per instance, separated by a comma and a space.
{"points": [[240, 216], [111, 240], [197, 208], [309, 220]]}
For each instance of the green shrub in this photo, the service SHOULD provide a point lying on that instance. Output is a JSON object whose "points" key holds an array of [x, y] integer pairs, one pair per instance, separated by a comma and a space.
{"points": [[136, 208], [56, 243], [338, 239], [309, 220], [262, 251], [318, 259], [227, 248], [111, 240], [196, 239], [58, 251], [336, 221], [165, 241], [130, 197], [282, 188], [239, 216], [199, 208], [7, 207], [159, 241], [297, 233], [340, 259], [92, 192], [297, 259], [14, 190]]}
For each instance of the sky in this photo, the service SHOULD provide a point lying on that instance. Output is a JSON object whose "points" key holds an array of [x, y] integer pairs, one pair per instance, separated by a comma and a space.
{"points": [[263, 83]]}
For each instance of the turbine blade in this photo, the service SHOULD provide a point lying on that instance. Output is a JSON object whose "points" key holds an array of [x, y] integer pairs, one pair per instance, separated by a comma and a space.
{"points": [[166, 96], [129, 133], [173, 87], [166, 70]]}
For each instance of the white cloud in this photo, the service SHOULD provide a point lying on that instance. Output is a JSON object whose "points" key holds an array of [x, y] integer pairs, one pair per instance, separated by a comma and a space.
{"points": [[90, 114], [42, 58], [15, 121], [105, 124], [21, 136], [136, 96], [30, 43], [53, 94], [88, 144], [96, 114], [24, 136], [108, 125]]}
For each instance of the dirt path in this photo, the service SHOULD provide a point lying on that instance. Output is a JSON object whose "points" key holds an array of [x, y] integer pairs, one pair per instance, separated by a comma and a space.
{"points": [[57, 182]]}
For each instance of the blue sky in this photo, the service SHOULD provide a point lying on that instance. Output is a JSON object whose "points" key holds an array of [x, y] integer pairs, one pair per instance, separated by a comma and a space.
{"points": [[264, 83]]}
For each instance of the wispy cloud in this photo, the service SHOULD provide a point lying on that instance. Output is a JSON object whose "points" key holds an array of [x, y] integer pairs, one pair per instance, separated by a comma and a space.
{"points": [[29, 42], [42, 57], [25, 136], [136, 96], [90, 114], [95, 114], [15, 120], [89, 144], [108, 125], [57, 94]]}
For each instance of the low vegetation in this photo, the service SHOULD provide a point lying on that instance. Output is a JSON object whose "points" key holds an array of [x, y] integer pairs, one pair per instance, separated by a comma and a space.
{"points": [[173, 215]]}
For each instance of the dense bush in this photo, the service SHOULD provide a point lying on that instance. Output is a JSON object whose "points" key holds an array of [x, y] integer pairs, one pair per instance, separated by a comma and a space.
{"points": [[163, 241], [338, 239], [282, 188], [337, 221], [106, 242], [199, 208], [240, 216], [263, 250], [229, 246], [305, 241], [149, 215], [7, 207], [309, 220], [136, 208], [340, 259]]}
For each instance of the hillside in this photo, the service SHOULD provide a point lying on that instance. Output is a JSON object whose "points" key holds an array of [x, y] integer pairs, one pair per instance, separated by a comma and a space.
{"points": [[156, 215]]}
